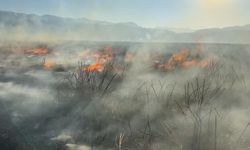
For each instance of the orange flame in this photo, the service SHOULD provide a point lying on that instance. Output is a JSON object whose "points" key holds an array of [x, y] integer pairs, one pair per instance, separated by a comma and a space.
{"points": [[96, 66], [101, 59], [49, 64], [38, 51], [184, 58]]}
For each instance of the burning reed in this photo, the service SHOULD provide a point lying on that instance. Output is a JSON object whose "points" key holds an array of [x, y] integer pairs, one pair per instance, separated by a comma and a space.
{"points": [[116, 100]]}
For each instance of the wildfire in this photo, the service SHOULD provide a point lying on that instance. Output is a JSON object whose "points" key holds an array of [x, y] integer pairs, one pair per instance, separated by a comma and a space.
{"points": [[49, 64], [101, 58], [96, 66], [38, 51], [184, 58]]}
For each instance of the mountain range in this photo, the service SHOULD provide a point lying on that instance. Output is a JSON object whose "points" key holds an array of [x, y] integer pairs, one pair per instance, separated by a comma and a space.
{"points": [[20, 26]]}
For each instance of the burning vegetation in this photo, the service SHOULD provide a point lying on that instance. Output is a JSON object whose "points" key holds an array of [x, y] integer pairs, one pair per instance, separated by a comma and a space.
{"points": [[49, 64], [182, 59], [101, 58], [37, 51], [96, 60], [92, 106]]}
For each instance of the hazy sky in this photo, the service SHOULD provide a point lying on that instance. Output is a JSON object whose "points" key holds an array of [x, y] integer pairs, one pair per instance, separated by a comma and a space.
{"points": [[147, 13]]}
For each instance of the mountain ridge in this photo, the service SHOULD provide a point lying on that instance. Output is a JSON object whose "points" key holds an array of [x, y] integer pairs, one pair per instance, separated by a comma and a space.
{"points": [[49, 27]]}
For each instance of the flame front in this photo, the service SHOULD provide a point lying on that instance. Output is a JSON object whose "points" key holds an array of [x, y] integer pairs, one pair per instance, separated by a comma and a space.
{"points": [[38, 51], [96, 66], [184, 58], [101, 59]]}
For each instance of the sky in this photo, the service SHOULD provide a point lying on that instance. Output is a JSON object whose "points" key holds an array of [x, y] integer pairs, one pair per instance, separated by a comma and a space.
{"points": [[194, 14]]}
